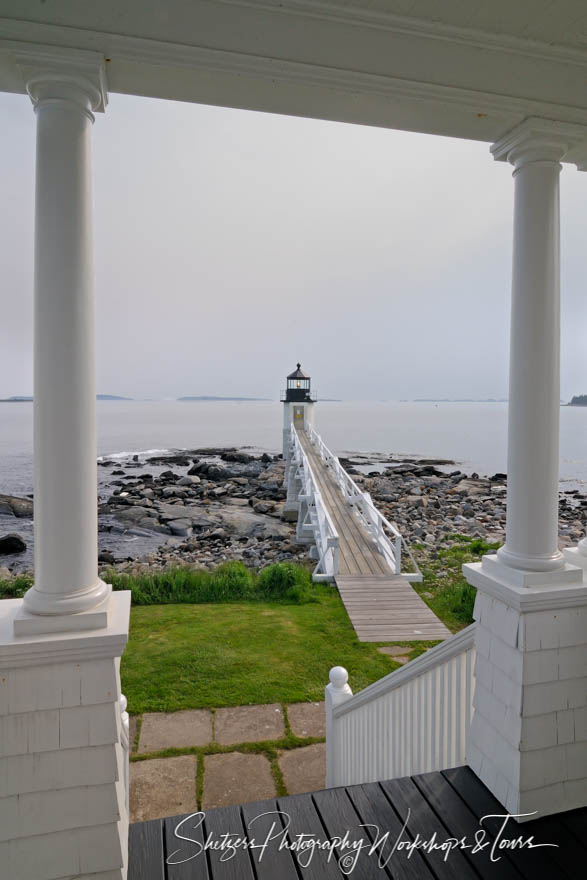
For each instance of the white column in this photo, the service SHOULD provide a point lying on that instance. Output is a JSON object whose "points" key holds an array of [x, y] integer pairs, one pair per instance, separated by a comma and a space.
{"points": [[528, 736], [64, 96], [534, 394]]}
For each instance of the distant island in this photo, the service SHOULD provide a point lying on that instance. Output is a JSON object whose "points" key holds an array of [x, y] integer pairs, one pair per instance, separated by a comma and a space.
{"points": [[209, 397], [459, 400], [25, 399], [578, 400]]}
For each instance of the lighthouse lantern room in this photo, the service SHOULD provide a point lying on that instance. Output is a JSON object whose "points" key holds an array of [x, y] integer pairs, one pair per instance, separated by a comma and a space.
{"points": [[298, 403]]}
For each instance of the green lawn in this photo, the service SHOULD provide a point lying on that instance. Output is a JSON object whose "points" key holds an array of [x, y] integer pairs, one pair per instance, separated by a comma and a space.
{"points": [[212, 655], [444, 587]]}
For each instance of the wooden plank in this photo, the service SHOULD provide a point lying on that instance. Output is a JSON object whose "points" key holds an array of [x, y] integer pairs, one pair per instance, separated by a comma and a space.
{"points": [[381, 606], [303, 819], [342, 821], [359, 547], [535, 864], [262, 821], [146, 853], [219, 822], [421, 820], [184, 860], [379, 817], [462, 824]]}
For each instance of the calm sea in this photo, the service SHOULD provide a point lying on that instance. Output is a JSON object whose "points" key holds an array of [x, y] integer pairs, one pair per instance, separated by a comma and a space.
{"points": [[473, 434]]}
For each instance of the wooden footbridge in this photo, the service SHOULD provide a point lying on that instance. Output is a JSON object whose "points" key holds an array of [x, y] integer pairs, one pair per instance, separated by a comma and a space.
{"points": [[355, 546]]}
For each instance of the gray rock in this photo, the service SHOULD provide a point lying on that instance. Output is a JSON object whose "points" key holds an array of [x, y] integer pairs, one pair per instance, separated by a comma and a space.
{"points": [[188, 481], [11, 543], [180, 527], [21, 507]]}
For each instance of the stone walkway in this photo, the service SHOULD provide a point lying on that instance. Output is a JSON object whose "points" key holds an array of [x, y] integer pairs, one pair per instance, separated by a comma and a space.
{"points": [[231, 756]]}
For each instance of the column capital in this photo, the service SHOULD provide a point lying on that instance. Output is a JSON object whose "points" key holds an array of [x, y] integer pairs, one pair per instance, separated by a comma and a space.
{"points": [[72, 76], [542, 140]]}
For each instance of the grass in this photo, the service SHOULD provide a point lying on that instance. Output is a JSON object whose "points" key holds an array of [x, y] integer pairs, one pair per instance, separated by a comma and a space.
{"points": [[213, 655], [228, 582], [230, 637], [443, 586]]}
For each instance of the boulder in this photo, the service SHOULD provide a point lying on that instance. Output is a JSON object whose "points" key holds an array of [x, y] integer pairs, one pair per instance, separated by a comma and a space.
{"points": [[11, 543], [189, 480], [217, 473], [180, 527], [21, 507]]}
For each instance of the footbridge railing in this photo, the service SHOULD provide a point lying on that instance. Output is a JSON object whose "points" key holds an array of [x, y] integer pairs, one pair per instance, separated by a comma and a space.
{"points": [[413, 720], [314, 521], [387, 536]]}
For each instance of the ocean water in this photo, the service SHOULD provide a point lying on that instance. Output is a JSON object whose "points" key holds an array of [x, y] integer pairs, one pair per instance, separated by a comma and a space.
{"points": [[472, 434]]}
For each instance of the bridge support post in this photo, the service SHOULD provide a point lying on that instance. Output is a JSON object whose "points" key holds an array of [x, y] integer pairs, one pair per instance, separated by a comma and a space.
{"points": [[528, 737], [291, 507]]}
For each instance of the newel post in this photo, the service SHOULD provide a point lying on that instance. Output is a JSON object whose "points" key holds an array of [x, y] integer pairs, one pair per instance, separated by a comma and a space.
{"points": [[338, 691]]}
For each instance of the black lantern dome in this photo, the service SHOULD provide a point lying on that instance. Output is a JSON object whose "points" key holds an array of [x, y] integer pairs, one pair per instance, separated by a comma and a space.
{"points": [[298, 386]]}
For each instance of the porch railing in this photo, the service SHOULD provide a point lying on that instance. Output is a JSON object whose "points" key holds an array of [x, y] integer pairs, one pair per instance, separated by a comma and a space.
{"points": [[386, 534], [126, 746], [314, 520], [413, 720]]}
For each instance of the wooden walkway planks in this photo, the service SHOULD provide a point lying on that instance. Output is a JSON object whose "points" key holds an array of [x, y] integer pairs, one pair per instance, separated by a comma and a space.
{"points": [[447, 805], [382, 606]]}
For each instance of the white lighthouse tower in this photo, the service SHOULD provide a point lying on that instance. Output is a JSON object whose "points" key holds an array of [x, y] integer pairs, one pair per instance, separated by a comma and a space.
{"points": [[298, 404]]}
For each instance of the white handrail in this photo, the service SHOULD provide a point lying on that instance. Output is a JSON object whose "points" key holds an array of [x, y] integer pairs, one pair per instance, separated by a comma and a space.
{"points": [[314, 517], [126, 745], [371, 518], [413, 720]]}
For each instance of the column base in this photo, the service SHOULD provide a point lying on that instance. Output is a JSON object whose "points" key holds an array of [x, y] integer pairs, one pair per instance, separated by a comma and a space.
{"points": [[62, 750], [46, 613], [528, 736]]}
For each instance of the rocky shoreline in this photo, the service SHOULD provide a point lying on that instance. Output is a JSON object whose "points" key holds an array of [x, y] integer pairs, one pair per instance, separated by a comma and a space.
{"points": [[204, 506]]}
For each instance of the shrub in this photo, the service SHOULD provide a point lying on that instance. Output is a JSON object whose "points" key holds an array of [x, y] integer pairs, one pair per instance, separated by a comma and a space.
{"points": [[230, 581], [284, 580], [16, 587]]}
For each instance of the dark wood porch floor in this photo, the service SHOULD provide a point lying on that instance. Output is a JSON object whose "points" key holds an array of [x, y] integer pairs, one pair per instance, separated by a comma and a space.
{"points": [[440, 807]]}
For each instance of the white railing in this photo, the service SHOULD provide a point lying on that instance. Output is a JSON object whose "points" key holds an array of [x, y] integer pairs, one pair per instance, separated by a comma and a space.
{"points": [[386, 534], [313, 520], [413, 720], [126, 746]]}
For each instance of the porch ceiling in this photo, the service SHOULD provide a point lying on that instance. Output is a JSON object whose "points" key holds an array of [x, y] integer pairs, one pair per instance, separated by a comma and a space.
{"points": [[471, 70]]}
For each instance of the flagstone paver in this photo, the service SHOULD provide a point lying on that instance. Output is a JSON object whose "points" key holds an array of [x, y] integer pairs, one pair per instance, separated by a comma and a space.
{"points": [[307, 719], [162, 787], [236, 778], [395, 651], [168, 730], [304, 769], [239, 724]]}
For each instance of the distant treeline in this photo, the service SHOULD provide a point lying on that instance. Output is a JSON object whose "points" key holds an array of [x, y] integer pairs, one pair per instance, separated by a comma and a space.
{"points": [[579, 400]]}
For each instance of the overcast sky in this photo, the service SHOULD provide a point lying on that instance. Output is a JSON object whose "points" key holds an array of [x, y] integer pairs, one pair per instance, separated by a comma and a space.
{"points": [[230, 244]]}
